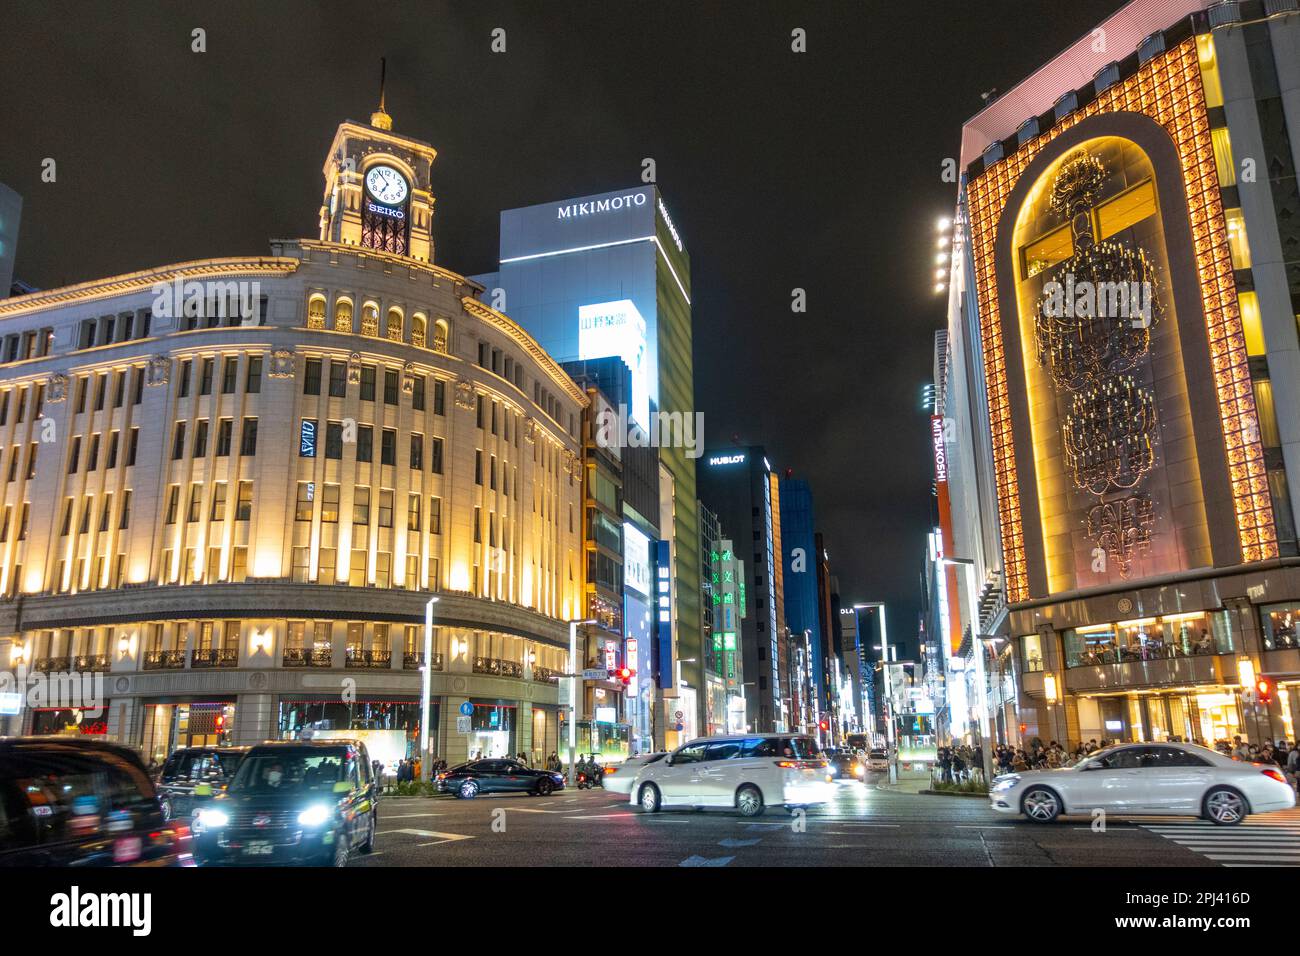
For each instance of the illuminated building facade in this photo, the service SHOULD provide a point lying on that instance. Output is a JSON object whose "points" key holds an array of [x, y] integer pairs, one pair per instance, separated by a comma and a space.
{"points": [[1124, 302], [723, 593], [233, 484], [11, 211], [609, 275]]}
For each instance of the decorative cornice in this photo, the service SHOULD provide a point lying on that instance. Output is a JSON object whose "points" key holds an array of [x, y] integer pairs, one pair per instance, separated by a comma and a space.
{"points": [[146, 279], [362, 252], [529, 344]]}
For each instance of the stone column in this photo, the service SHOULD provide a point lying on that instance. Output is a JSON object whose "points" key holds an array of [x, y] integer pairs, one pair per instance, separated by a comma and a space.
{"points": [[455, 745], [255, 719]]}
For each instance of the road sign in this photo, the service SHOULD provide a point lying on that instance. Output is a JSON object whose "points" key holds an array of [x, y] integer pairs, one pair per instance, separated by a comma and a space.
{"points": [[595, 673], [679, 728], [463, 725], [679, 715], [466, 709]]}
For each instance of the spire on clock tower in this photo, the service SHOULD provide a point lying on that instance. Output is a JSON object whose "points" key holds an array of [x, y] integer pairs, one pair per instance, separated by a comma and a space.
{"points": [[379, 118]]}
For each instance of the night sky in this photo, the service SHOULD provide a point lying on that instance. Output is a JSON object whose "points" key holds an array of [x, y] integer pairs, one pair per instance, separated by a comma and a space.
{"points": [[818, 171]]}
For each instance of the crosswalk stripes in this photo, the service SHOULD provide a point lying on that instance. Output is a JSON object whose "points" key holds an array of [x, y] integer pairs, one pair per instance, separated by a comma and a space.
{"points": [[1271, 840]]}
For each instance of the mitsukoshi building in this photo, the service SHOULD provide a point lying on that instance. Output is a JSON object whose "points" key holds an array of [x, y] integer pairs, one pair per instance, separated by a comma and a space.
{"points": [[232, 485], [1123, 370]]}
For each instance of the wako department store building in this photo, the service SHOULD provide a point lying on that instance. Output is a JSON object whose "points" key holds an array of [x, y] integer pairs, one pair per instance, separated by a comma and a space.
{"points": [[1143, 463], [231, 486]]}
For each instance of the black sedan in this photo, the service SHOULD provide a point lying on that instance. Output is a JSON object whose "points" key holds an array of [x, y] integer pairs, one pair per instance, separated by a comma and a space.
{"points": [[498, 776]]}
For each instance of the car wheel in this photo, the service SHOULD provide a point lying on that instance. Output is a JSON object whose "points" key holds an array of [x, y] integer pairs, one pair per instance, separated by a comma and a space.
{"points": [[749, 801], [649, 798], [1225, 806], [166, 807], [369, 845], [468, 790], [341, 850], [544, 787], [1040, 805]]}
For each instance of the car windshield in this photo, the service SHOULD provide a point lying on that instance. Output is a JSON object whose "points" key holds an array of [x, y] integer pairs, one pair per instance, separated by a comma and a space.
{"points": [[805, 748], [877, 755], [290, 771]]}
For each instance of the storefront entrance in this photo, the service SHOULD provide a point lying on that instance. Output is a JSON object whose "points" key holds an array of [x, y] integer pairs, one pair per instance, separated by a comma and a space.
{"points": [[169, 726]]}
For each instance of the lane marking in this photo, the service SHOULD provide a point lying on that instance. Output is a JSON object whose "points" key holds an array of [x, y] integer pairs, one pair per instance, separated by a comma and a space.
{"points": [[733, 842], [408, 816], [706, 861]]}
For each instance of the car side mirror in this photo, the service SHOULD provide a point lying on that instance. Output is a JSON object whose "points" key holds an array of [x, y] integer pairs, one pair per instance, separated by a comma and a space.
{"points": [[203, 790], [669, 761]]}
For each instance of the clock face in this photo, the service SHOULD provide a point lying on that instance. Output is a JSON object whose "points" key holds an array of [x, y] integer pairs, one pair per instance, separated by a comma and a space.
{"points": [[386, 184]]}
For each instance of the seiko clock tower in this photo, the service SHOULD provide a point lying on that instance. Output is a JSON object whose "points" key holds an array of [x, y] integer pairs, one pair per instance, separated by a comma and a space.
{"points": [[377, 191]]}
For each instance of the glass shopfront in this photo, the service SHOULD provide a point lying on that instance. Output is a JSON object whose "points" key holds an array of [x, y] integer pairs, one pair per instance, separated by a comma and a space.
{"points": [[1148, 639], [492, 731], [1280, 621], [70, 721], [197, 724], [1205, 717], [390, 729], [611, 740]]}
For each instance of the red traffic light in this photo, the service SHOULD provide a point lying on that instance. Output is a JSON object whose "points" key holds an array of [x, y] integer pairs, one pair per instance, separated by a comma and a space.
{"points": [[825, 725], [1264, 688], [625, 675]]}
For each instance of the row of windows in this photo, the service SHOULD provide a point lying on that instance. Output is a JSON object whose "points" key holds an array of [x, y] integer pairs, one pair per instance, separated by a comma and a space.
{"points": [[92, 453], [217, 512], [88, 509], [329, 507], [20, 346], [225, 434], [394, 324], [364, 439], [229, 375], [368, 378], [20, 405], [109, 329], [104, 381]]}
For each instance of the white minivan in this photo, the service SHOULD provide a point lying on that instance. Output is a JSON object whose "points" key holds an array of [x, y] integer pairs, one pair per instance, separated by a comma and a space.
{"points": [[749, 772]]}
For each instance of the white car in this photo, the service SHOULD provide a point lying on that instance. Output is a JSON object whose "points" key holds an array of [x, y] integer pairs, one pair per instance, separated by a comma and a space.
{"points": [[1147, 779], [749, 772], [619, 777], [878, 760]]}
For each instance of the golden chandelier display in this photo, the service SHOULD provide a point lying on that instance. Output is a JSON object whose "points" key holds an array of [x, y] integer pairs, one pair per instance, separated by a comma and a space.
{"points": [[1092, 325]]}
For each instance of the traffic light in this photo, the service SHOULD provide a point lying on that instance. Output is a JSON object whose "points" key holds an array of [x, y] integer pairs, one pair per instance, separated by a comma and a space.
{"points": [[625, 675], [825, 725], [1264, 688]]}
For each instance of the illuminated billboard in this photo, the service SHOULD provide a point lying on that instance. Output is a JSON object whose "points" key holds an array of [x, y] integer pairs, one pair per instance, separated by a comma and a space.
{"points": [[618, 329]]}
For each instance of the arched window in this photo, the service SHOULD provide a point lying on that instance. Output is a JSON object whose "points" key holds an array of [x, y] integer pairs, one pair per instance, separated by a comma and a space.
{"points": [[418, 324], [316, 312], [395, 324], [343, 315], [441, 335], [370, 319]]}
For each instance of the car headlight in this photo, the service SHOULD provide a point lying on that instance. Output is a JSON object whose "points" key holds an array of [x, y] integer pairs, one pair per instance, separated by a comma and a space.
{"points": [[314, 816], [1002, 784], [209, 817]]}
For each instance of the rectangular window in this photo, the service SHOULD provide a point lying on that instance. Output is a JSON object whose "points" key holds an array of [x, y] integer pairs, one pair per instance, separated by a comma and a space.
{"points": [[365, 443], [435, 516], [439, 397], [184, 387], [239, 565], [219, 501], [338, 378], [201, 438], [311, 377], [361, 506], [105, 513], [92, 457], [386, 508], [329, 504], [173, 503], [435, 456], [178, 442], [133, 447], [225, 431], [69, 504], [137, 386], [417, 452], [334, 440], [248, 437], [417, 393], [390, 386], [244, 507], [413, 513], [303, 508], [125, 520], [100, 383], [205, 377], [327, 569], [74, 456], [388, 447], [112, 450], [253, 378], [383, 574], [119, 388], [229, 368], [196, 501], [357, 572], [367, 383]]}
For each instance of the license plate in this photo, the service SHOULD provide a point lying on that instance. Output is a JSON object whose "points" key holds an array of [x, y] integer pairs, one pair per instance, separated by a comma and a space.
{"points": [[259, 848], [127, 849]]}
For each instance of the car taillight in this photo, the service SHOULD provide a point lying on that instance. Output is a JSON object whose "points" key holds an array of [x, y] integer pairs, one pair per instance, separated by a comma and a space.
{"points": [[609, 770], [442, 776], [1275, 774], [796, 764]]}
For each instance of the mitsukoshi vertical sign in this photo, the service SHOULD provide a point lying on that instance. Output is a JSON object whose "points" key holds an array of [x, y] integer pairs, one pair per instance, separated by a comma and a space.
{"points": [[945, 532]]}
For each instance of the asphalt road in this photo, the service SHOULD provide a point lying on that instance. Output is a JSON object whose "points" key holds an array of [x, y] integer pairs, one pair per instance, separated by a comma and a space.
{"points": [[868, 824]]}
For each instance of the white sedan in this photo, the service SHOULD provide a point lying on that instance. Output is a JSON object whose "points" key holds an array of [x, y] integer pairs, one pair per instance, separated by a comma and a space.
{"points": [[620, 777], [1147, 779]]}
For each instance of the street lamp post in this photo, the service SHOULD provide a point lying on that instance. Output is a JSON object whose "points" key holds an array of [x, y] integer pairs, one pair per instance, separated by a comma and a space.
{"points": [[886, 706], [426, 689], [573, 696], [980, 679]]}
